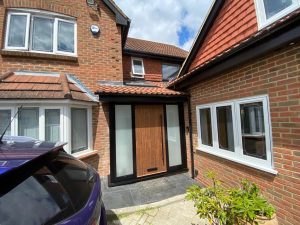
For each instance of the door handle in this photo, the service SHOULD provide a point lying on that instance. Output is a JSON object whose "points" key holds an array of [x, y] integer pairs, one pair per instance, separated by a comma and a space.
{"points": [[162, 139]]}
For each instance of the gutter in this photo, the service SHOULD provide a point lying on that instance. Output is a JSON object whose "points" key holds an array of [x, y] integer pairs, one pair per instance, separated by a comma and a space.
{"points": [[191, 137]]}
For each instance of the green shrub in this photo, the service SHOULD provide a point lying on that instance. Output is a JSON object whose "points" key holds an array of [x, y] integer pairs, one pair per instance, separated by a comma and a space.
{"points": [[232, 206]]}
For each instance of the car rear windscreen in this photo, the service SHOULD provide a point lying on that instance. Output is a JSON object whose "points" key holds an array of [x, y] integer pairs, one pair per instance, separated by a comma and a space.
{"points": [[54, 190]]}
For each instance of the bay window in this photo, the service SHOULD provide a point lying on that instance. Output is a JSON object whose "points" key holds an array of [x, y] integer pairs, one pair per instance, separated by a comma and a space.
{"points": [[40, 31], [53, 123], [268, 11], [237, 130]]}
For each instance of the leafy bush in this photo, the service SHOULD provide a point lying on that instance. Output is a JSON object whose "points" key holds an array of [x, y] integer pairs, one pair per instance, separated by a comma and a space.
{"points": [[232, 206]]}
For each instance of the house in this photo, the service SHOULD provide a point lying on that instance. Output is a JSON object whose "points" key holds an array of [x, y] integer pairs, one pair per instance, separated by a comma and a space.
{"points": [[73, 76], [146, 118], [243, 78]]}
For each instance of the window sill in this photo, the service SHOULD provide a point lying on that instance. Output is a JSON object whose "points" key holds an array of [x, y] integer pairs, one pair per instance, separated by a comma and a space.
{"points": [[264, 169], [5, 52], [85, 154]]}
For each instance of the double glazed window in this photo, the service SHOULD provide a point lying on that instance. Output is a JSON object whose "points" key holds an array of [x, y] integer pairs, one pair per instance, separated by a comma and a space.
{"points": [[66, 124], [237, 130], [269, 11], [79, 129], [138, 70], [169, 71], [40, 32]]}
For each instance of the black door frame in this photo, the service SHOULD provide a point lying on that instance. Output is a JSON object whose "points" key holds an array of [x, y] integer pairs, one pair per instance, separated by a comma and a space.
{"points": [[114, 180]]}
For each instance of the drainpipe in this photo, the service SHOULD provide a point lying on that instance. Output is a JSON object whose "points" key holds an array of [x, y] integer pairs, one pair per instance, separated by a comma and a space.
{"points": [[191, 136]]}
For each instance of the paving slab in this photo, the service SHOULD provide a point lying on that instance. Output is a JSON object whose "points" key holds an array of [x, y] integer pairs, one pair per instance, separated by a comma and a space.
{"points": [[145, 192], [177, 212]]}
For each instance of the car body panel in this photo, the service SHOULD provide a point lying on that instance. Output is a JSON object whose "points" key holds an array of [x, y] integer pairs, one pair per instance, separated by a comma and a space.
{"points": [[16, 152]]}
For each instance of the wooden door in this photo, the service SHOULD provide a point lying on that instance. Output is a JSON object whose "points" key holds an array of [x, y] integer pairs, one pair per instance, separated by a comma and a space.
{"points": [[150, 140]]}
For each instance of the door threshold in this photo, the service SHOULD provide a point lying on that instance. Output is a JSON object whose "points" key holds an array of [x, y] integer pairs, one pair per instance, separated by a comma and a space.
{"points": [[149, 177]]}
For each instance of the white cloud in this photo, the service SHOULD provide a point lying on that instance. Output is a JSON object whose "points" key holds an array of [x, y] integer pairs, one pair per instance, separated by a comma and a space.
{"points": [[162, 20]]}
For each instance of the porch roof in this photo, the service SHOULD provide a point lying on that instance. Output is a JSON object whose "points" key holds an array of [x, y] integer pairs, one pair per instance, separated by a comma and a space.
{"points": [[136, 88], [32, 85]]}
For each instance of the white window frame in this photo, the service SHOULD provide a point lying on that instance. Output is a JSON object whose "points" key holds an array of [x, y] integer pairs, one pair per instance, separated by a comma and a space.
{"points": [[65, 121], [133, 73], [28, 39], [238, 155], [261, 13], [12, 113], [26, 33], [89, 129]]}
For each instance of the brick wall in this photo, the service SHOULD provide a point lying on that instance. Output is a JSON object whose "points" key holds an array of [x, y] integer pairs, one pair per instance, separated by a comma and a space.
{"points": [[277, 75], [153, 68], [99, 58]]}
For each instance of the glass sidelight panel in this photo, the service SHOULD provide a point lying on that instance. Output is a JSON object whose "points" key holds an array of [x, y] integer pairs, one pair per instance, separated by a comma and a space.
{"points": [[124, 150], [173, 137]]}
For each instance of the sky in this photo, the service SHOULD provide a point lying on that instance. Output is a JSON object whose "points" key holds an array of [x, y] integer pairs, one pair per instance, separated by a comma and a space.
{"points": [[168, 21]]}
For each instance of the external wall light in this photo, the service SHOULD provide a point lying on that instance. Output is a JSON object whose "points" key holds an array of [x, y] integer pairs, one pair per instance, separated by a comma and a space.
{"points": [[92, 4]]}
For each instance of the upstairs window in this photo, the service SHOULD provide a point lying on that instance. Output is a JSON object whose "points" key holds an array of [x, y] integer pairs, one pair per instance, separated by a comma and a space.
{"points": [[37, 31], [138, 70], [268, 11], [169, 71]]}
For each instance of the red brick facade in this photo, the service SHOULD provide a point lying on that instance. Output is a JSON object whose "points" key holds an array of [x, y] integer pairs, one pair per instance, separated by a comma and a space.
{"points": [[153, 68], [99, 58], [278, 76]]}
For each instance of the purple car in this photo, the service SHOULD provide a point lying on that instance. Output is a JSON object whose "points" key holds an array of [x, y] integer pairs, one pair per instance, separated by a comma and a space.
{"points": [[41, 184]]}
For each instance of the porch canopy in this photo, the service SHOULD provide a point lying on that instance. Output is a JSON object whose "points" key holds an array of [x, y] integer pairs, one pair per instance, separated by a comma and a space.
{"points": [[138, 91]]}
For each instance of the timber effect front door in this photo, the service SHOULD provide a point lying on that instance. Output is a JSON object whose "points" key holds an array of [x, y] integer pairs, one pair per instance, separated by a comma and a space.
{"points": [[150, 140]]}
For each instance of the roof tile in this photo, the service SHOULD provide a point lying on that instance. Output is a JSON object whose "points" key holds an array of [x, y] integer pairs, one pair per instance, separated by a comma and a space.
{"points": [[157, 89], [154, 48], [18, 86]]}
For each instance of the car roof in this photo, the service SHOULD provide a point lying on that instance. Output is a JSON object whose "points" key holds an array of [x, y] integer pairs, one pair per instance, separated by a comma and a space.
{"points": [[16, 151]]}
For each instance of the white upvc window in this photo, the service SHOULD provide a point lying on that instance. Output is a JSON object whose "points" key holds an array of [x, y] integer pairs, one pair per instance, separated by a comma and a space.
{"points": [[268, 11], [6, 116], [138, 70], [53, 122], [40, 31], [238, 130]]}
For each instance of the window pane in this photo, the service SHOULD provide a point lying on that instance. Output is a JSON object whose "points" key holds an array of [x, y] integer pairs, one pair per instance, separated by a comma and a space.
{"points": [[173, 131], [52, 125], [28, 122], [5, 118], [42, 34], [225, 128], [272, 7], [65, 39], [124, 147], [169, 71], [205, 126], [79, 130], [17, 31], [253, 130], [138, 66]]}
